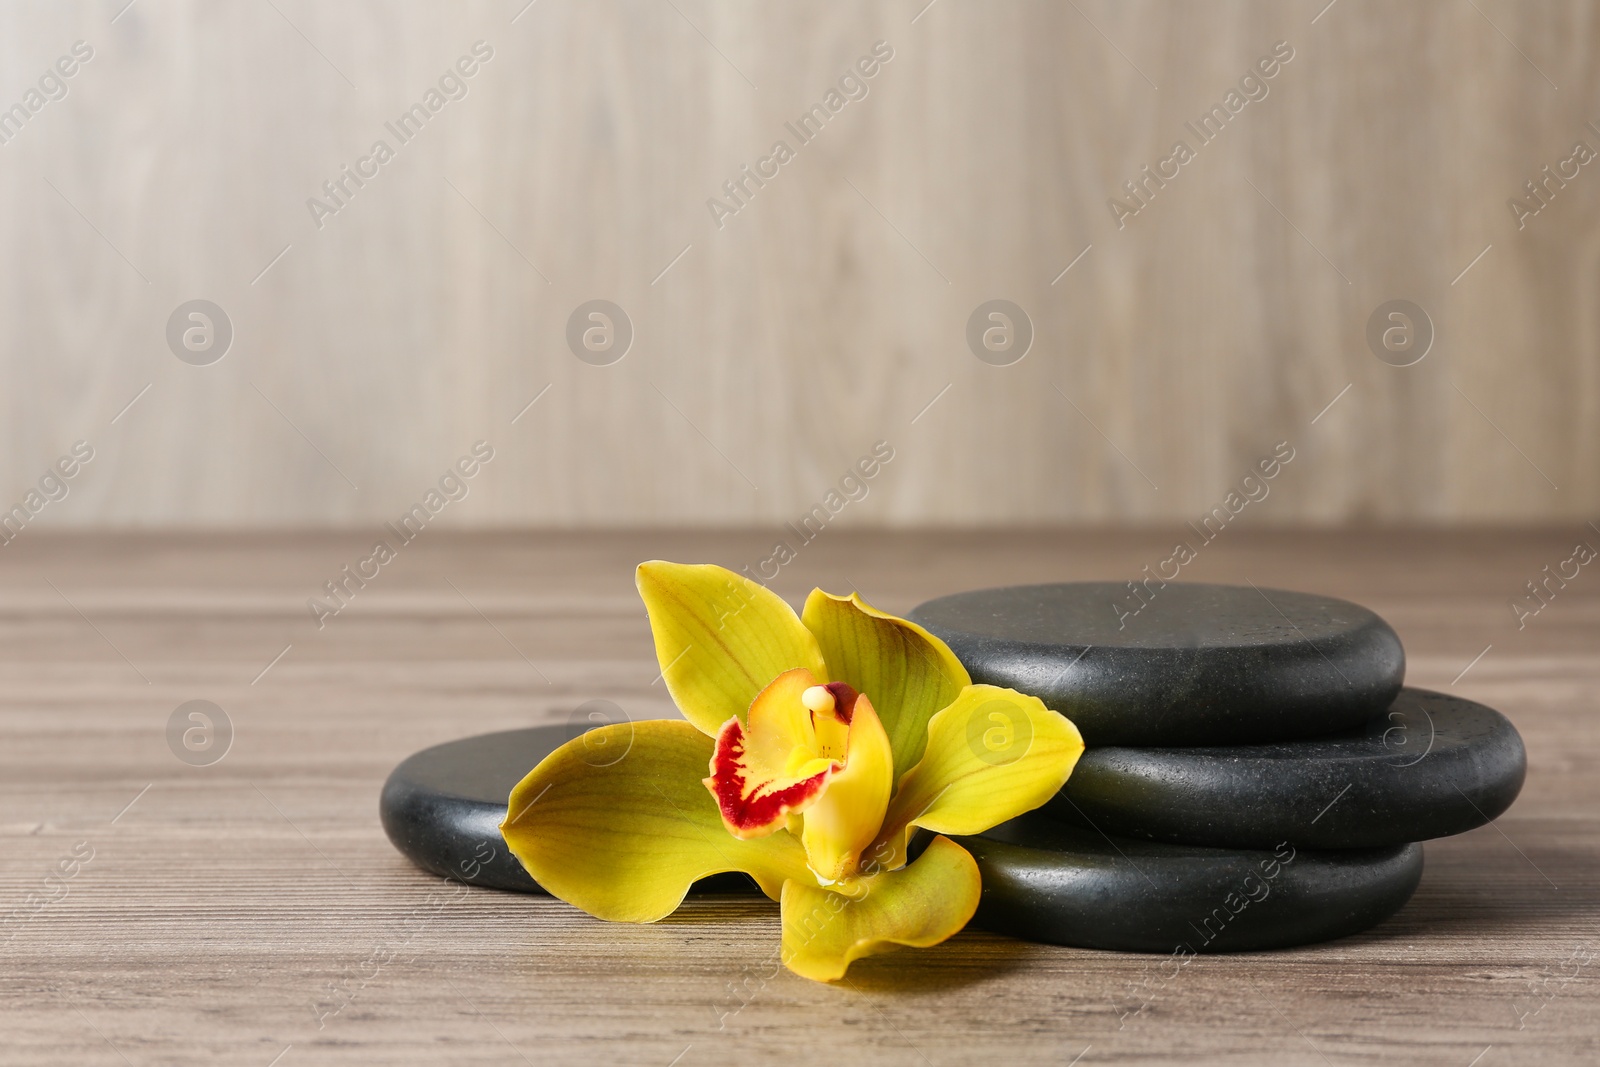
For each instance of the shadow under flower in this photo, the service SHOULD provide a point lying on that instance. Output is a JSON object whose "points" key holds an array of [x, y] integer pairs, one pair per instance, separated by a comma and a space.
{"points": [[970, 958], [706, 909]]}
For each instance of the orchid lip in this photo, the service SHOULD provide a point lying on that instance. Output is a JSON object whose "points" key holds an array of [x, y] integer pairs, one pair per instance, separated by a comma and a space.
{"points": [[777, 761]]}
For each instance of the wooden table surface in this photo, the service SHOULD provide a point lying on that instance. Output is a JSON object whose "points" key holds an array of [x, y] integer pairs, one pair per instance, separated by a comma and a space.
{"points": [[252, 911]]}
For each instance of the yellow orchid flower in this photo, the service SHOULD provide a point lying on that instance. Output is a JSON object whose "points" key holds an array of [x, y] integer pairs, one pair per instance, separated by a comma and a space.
{"points": [[828, 737]]}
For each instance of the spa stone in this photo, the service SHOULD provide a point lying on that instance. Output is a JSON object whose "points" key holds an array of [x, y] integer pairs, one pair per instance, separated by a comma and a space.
{"points": [[442, 808], [1430, 766], [1046, 881], [1179, 663]]}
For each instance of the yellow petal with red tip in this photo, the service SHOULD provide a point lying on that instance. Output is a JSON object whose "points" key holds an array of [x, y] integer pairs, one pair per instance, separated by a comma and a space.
{"points": [[847, 817], [918, 905], [991, 755], [909, 673], [720, 638], [623, 837]]}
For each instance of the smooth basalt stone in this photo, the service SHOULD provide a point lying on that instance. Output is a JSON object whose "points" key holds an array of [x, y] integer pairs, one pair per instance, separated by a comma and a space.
{"points": [[442, 808], [1043, 880], [1432, 765], [1047, 881], [1177, 664]]}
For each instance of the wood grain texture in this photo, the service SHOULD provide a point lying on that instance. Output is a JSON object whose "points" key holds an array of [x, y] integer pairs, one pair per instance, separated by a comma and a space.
{"points": [[1225, 316], [228, 902]]}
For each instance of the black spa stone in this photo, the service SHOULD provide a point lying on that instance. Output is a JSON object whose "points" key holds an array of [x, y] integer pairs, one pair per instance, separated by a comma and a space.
{"points": [[1430, 766], [442, 808], [1046, 881], [1177, 664], [1043, 880]]}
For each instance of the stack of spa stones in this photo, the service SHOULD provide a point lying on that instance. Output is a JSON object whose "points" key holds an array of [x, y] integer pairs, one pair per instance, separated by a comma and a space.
{"points": [[1255, 776]]}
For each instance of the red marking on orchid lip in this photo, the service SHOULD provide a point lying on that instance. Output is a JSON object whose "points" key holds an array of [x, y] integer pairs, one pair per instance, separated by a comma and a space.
{"points": [[746, 808], [844, 700]]}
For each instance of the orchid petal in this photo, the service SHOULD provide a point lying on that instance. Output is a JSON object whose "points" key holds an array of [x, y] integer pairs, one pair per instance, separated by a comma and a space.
{"points": [[918, 905], [720, 638], [991, 755], [909, 673], [840, 825], [624, 840]]}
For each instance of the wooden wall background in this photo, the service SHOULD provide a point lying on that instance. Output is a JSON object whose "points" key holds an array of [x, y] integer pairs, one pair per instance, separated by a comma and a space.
{"points": [[831, 310]]}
